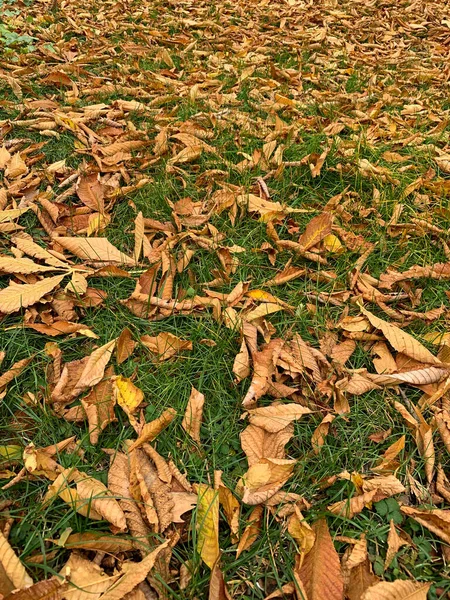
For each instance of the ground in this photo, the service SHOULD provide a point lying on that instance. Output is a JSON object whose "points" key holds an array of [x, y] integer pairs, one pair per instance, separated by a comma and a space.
{"points": [[321, 107]]}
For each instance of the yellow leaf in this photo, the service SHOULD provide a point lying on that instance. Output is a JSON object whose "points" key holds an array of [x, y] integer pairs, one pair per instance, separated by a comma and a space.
{"points": [[128, 396], [208, 524], [333, 244]]}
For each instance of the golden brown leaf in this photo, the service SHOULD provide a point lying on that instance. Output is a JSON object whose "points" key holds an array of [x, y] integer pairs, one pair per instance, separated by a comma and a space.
{"points": [[47, 589], [91, 192], [94, 368], [264, 479], [258, 443], [192, 419], [132, 574], [87, 580], [321, 432], [316, 230], [436, 520], [95, 250], [165, 345], [394, 542], [125, 346], [251, 531], [320, 572], [151, 430]]}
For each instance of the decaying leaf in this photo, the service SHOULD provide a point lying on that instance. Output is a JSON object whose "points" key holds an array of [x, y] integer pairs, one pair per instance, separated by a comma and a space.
{"points": [[401, 589], [14, 575]]}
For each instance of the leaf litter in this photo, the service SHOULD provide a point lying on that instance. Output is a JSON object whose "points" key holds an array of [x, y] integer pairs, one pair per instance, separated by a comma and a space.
{"points": [[319, 131]]}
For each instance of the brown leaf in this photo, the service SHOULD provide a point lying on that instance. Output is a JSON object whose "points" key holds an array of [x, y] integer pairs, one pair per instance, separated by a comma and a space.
{"points": [[353, 506], [165, 345], [151, 430], [400, 340], [192, 419], [263, 369], [217, 588], [436, 520], [125, 346], [258, 443], [99, 406], [264, 479], [360, 579], [14, 372], [277, 416], [320, 572], [100, 542], [132, 574], [230, 505], [101, 500], [91, 192], [11, 265], [251, 531], [400, 589], [394, 542], [241, 365], [15, 296], [47, 589], [87, 580], [316, 230], [321, 432]]}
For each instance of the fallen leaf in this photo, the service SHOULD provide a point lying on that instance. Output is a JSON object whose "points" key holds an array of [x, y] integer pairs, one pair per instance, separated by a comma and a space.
{"points": [[251, 531], [316, 230], [400, 340], [400, 589], [320, 571], [192, 419], [14, 574], [277, 416], [95, 250], [208, 524], [14, 297]]}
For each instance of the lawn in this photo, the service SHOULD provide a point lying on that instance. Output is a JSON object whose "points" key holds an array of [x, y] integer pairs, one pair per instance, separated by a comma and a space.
{"points": [[240, 214]]}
